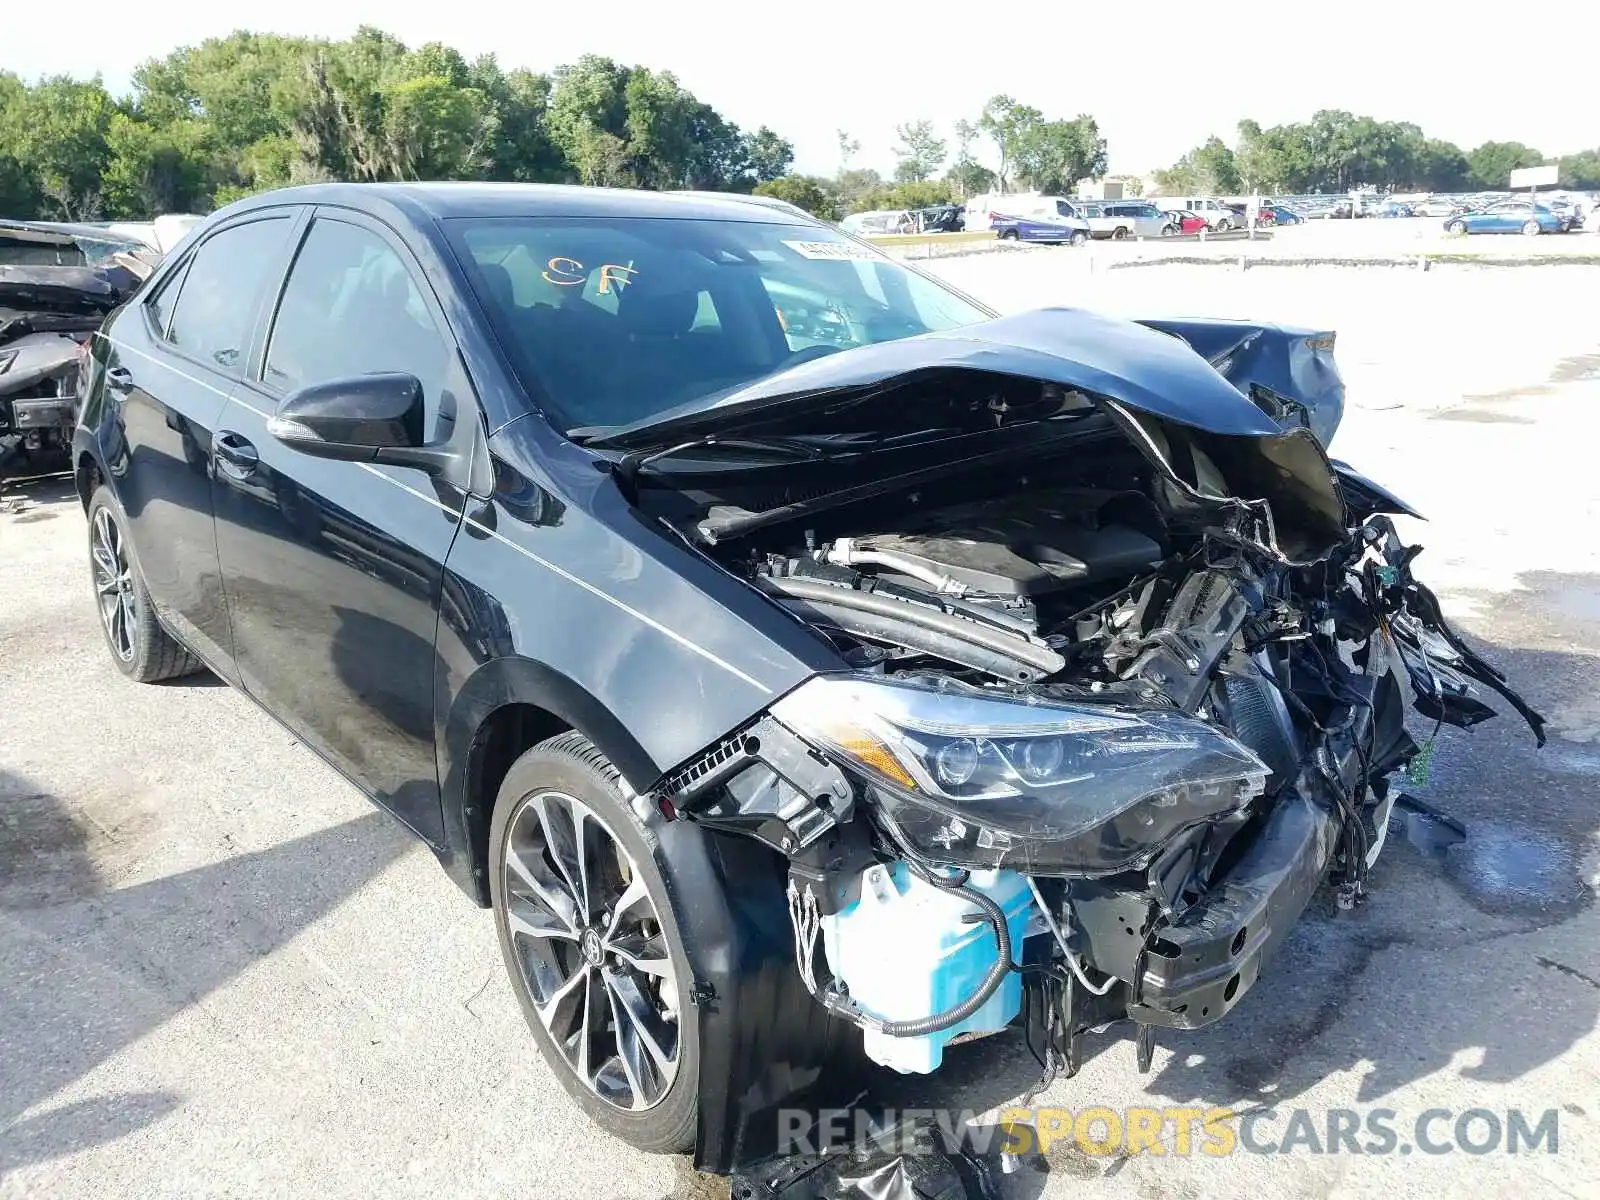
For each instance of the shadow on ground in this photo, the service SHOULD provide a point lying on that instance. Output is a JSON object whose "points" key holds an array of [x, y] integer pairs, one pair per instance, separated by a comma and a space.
{"points": [[91, 969]]}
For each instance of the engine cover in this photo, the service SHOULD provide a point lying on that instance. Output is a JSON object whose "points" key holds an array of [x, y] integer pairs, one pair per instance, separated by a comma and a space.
{"points": [[1026, 552]]}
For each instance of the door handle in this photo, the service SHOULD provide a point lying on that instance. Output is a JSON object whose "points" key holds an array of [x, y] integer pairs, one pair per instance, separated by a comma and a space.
{"points": [[119, 377], [234, 454]]}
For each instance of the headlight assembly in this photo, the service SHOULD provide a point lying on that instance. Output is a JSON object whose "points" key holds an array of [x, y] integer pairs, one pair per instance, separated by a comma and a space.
{"points": [[987, 780]]}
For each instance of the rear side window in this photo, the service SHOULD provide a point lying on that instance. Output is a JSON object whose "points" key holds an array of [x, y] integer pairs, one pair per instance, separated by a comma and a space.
{"points": [[217, 303], [351, 307]]}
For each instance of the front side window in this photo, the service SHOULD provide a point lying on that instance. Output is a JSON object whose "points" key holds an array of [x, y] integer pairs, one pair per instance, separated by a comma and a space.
{"points": [[351, 307], [615, 321], [216, 305]]}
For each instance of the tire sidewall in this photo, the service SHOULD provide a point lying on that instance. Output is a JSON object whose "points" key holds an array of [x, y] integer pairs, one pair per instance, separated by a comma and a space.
{"points": [[669, 1126]]}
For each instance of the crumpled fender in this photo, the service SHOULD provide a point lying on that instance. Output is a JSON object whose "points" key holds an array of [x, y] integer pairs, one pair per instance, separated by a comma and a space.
{"points": [[1287, 371]]}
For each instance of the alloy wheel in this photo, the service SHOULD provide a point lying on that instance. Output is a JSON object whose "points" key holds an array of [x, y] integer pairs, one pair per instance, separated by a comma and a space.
{"points": [[591, 950], [113, 584]]}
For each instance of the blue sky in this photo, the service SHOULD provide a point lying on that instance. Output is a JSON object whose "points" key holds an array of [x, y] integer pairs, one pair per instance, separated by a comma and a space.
{"points": [[1467, 73]]}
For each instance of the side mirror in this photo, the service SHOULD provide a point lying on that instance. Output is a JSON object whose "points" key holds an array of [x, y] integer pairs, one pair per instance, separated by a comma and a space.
{"points": [[364, 418]]}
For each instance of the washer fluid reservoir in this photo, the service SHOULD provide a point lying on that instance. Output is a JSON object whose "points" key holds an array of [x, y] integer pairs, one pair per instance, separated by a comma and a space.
{"points": [[906, 951]]}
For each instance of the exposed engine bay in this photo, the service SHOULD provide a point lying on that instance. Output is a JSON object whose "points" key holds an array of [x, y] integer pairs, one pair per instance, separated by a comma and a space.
{"points": [[1112, 713]]}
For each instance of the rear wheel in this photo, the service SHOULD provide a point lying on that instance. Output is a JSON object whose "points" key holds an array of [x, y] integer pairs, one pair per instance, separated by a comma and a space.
{"points": [[1169, 230], [1455, 227], [1531, 228], [1118, 234], [593, 948], [1008, 235], [1224, 225], [140, 646]]}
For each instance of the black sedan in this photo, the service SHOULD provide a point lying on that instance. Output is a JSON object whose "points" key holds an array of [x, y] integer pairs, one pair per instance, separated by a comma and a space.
{"points": [[799, 690]]}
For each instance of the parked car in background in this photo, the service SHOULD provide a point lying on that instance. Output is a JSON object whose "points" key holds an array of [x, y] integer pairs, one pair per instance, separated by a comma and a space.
{"points": [[1507, 216], [1436, 206], [1392, 208], [941, 218], [1181, 220], [1217, 215], [57, 283], [1053, 230], [1118, 219], [1280, 214], [886, 221]]}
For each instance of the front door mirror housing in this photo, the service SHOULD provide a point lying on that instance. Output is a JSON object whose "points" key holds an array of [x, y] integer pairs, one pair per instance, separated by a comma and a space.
{"points": [[376, 418]]}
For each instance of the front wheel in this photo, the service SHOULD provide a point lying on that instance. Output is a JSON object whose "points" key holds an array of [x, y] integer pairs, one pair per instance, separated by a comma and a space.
{"points": [[592, 944], [1531, 229], [1455, 227], [140, 646], [1079, 237], [1169, 230], [1224, 225], [1119, 234]]}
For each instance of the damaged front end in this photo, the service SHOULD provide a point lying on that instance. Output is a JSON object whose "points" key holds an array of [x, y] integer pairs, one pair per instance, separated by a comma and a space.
{"points": [[1124, 671], [56, 287]]}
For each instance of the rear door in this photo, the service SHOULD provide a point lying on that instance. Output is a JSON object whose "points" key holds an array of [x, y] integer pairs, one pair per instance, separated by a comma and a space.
{"points": [[333, 569], [170, 363]]}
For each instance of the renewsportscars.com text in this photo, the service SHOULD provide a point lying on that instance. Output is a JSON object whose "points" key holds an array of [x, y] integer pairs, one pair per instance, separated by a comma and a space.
{"points": [[1182, 1131]]}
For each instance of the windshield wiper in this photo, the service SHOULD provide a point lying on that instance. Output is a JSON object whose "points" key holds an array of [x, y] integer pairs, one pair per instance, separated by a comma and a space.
{"points": [[794, 450]]}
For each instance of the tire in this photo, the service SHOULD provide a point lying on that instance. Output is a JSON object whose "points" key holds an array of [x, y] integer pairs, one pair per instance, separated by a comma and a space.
{"points": [[1224, 225], [1531, 228], [1008, 235], [1079, 237], [140, 646], [538, 807], [1455, 227], [1169, 230], [1119, 234]]}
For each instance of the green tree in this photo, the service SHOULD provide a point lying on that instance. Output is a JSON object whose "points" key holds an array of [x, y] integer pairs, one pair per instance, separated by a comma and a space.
{"points": [[1491, 164], [853, 187], [56, 130], [920, 151], [767, 155], [804, 191], [1009, 125], [1051, 156], [154, 168], [1581, 170]]}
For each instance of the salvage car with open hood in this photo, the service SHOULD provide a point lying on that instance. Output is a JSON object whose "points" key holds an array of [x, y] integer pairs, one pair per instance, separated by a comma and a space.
{"points": [[810, 668], [57, 283]]}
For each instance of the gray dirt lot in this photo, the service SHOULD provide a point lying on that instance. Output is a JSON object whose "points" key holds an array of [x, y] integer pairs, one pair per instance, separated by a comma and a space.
{"points": [[223, 973]]}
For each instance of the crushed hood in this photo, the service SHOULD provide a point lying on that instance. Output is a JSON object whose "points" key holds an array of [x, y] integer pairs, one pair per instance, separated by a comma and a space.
{"points": [[1151, 370]]}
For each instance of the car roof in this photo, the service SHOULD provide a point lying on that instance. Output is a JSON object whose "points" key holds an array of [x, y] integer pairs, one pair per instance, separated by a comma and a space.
{"points": [[444, 201]]}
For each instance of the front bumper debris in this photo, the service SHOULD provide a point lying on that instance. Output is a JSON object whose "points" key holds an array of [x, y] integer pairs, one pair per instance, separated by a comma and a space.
{"points": [[1200, 966]]}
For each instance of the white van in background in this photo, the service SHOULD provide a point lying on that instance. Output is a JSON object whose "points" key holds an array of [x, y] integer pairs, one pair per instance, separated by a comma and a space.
{"points": [[1118, 219], [1025, 205]]}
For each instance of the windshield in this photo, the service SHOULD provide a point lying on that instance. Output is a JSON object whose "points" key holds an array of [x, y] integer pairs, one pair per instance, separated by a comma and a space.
{"points": [[617, 321]]}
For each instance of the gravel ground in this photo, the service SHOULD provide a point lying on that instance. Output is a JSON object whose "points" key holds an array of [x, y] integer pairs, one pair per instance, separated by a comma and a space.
{"points": [[223, 973]]}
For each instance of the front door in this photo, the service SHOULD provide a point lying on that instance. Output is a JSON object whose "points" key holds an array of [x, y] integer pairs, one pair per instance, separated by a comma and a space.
{"points": [[333, 569]]}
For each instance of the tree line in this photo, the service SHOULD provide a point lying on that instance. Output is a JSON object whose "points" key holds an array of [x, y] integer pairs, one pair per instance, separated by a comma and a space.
{"points": [[1031, 152], [1337, 151], [232, 116]]}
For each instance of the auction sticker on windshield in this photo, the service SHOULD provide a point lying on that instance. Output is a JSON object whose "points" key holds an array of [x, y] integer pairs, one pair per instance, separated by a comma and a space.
{"points": [[834, 250]]}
